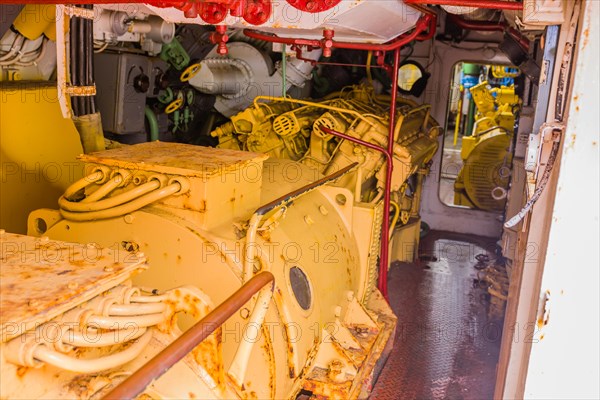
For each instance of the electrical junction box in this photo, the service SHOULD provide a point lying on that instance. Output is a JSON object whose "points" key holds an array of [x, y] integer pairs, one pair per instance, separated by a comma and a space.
{"points": [[123, 82]]}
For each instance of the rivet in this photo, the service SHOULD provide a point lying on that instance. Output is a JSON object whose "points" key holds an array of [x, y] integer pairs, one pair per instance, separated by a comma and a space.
{"points": [[308, 220], [323, 210], [128, 219]]}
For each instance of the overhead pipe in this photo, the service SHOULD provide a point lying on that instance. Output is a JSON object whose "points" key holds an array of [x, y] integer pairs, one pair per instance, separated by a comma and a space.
{"points": [[476, 25], [489, 27], [424, 29], [491, 4], [388, 153], [184, 344]]}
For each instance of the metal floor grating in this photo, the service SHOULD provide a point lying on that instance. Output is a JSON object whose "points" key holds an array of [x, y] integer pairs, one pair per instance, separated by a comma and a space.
{"points": [[446, 345]]}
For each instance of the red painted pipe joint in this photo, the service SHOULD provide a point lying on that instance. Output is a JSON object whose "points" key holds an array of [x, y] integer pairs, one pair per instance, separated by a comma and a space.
{"points": [[220, 38]]}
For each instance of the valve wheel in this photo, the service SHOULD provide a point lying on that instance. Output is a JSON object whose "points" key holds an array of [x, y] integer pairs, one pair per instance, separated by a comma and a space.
{"points": [[173, 106], [190, 72]]}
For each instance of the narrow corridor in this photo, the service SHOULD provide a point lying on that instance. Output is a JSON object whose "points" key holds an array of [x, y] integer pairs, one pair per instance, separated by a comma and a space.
{"points": [[449, 328]]}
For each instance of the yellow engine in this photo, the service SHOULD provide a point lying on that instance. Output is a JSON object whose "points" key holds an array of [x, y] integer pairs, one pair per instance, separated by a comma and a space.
{"points": [[207, 221], [290, 128]]}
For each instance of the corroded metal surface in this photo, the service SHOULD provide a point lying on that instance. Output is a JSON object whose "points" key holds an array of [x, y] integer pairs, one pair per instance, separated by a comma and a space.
{"points": [[175, 158], [446, 347], [42, 278]]}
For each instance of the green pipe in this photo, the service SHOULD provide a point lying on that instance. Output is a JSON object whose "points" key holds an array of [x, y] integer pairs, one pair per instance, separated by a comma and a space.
{"points": [[152, 122], [470, 118]]}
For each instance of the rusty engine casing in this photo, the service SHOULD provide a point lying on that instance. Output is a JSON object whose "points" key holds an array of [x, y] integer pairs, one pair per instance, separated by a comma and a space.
{"points": [[206, 220]]}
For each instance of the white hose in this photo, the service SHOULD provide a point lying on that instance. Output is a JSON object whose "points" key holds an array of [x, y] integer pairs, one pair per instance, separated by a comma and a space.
{"points": [[83, 183], [101, 48], [136, 309], [20, 58], [38, 57], [108, 187], [118, 200], [126, 208], [15, 48], [101, 339], [45, 354], [251, 247], [125, 322], [148, 299]]}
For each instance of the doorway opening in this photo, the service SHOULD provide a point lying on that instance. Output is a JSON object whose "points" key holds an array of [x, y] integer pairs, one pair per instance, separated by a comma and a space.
{"points": [[478, 147]]}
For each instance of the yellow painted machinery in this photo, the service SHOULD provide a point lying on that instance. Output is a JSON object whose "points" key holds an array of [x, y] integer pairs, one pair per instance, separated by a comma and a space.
{"points": [[290, 128], [483, 180], [208, 220]]}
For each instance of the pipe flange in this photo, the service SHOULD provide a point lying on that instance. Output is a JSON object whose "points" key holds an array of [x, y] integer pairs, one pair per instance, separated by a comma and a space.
{"points": [[125, 176], [105, 171], [184, 184], [162, 179]]}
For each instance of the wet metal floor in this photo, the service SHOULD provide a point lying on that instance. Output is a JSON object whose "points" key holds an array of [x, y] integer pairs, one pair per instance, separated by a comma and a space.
{"points": [[447, 340]]}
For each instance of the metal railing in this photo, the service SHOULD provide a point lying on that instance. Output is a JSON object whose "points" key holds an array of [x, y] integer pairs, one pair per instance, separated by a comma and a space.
{"points": [[170, 355]]}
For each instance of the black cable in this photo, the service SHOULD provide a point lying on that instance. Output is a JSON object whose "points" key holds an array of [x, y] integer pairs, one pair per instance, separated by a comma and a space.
{"points": [[90, 47], [73, 63], [85, 63], [81, 61]]}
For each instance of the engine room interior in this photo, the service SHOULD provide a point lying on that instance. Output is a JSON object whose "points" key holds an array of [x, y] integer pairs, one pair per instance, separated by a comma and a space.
{"points": [[299, 199]]}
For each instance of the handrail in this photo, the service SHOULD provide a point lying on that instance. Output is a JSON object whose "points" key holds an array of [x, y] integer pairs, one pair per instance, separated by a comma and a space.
{"points": [[170, 355]]}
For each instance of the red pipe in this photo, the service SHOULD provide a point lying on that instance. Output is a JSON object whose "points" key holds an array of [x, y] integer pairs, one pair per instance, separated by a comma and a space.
{"points": [[493, 4], [388, 153], [383, 255], [426, 22], [383, 268], [422, 25]]}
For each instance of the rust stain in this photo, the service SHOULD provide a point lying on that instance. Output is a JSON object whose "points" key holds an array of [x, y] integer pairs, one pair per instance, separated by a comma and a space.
{"points": [[39, 282], [84, 386], [270, 357], [208, 354], [322, 387], [21, 371], [540, 323]]}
